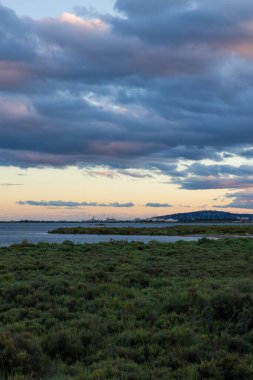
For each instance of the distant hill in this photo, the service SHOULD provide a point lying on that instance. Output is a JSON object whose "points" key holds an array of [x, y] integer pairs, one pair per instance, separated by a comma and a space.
{"points": [[206, 216]]}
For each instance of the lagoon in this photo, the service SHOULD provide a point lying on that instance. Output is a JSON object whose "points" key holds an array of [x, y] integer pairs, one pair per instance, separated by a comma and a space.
{"points": [[13, 233]]}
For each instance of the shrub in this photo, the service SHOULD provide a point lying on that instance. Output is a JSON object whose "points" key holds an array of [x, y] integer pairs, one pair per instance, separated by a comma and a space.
{"points": [[228, 306], [22, 353], [66, 345]]}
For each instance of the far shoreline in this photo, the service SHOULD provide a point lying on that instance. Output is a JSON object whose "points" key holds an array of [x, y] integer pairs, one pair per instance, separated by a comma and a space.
{"points": [[213, 231]]}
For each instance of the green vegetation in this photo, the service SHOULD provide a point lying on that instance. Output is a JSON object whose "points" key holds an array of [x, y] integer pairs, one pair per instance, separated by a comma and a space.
{"points": [[159, 231], [127, 311]]}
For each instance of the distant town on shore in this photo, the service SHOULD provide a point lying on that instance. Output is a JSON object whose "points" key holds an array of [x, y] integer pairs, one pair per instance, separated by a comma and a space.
{"points": [[186, 217]]}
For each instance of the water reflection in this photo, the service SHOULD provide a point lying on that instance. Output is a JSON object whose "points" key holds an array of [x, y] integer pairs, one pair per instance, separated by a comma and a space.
{"points": [[11, 233]]}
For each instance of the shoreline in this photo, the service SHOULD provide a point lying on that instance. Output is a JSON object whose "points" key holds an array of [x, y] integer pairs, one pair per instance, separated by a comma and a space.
{"points": [[204, 231]]}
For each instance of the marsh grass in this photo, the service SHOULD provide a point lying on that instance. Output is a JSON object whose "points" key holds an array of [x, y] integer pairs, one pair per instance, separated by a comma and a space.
{"points": [[127, 311]]}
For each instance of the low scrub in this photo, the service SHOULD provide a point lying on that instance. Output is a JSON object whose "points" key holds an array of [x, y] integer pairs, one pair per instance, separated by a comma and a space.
{"points": [[125, 311]]}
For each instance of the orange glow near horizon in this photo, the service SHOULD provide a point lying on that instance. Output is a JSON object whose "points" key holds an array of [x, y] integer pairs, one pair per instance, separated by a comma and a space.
{"points": [[73, 185]]}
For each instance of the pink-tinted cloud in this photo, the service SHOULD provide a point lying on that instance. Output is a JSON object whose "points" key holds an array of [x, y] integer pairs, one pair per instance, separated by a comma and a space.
{"points": [[16, 109], [14, 74]]}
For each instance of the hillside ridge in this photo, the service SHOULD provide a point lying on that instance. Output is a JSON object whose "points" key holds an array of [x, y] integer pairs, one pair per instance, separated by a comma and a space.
{"points": [[207, 215]]}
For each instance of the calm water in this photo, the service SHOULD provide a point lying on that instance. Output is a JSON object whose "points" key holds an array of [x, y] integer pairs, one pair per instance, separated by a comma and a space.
{"points": [[11, 233]]}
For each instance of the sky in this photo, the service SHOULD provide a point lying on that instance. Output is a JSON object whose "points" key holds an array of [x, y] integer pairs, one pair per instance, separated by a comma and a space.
{"points": [[125, 108]]}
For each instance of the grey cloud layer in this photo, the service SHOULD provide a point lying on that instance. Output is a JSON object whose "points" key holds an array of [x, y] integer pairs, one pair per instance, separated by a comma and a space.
{"points": [[185, 21], [169, 80], [241, 199], [71, 204], [201, 177]]}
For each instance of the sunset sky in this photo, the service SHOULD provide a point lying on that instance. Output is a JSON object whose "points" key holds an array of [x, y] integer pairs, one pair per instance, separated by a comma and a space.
{"points": [[126, 108]]}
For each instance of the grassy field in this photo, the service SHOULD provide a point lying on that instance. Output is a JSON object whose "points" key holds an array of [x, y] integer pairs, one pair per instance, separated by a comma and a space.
{"points": [[160, 231], [127, 311]]}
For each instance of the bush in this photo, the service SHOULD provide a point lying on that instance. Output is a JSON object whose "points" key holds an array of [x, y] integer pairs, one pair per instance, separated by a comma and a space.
{"points": [[22, 353], [228, 306], [66, 345]]}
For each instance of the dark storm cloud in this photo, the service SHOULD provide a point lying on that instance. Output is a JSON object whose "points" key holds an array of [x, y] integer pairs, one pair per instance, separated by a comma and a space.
{"points": [[159, 82]]}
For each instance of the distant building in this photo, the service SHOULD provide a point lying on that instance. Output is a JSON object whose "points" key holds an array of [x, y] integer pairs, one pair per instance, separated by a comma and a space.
{"points": [[161, 220]]}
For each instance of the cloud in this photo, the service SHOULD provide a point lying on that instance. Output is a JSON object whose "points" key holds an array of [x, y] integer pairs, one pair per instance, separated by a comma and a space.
{"points": [[11, 184], [116, 204], [248, 153], [185, 22], [220, 170], [206, 183], [200, 176], [242, 199], [71, 204], [100, 173], [180, 90], [134, 174], [116, 173], [158, 205]]}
